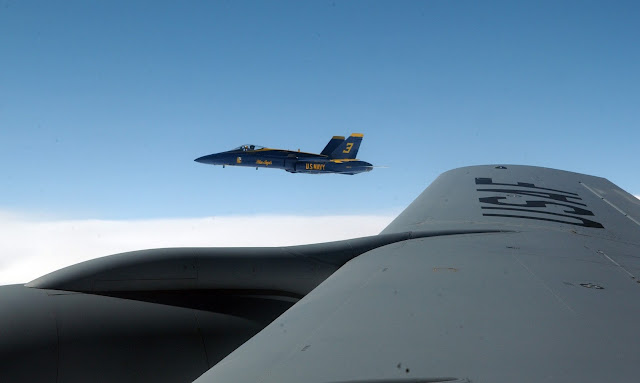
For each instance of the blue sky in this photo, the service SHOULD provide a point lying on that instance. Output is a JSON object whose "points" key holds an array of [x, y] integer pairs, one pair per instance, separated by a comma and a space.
{"points": [[105, 104]]}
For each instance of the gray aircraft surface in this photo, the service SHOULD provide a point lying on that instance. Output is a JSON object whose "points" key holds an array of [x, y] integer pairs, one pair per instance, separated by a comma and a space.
{"points": [[493, 274]]}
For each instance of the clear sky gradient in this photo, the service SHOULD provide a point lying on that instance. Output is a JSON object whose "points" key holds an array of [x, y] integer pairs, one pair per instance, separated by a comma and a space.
{"points": [[105, 104]]}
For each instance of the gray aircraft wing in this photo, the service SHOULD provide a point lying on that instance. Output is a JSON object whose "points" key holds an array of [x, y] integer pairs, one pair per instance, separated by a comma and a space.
{"points": [[534, 281]]}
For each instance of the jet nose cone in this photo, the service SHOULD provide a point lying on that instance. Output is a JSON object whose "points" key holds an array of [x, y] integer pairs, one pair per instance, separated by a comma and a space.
{"points": [[211, 159], [202, 160]]}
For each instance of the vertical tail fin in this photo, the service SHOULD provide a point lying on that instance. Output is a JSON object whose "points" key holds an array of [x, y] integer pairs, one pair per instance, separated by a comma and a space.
{"points": [[348, 148], [332, 145]]}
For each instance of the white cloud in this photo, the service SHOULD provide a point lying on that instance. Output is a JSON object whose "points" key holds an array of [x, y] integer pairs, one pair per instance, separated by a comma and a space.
{"points": [[31, 248]]}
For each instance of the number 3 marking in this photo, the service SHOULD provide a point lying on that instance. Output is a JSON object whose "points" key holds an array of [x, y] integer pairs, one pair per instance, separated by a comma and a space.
{"points": [[348, 149]]}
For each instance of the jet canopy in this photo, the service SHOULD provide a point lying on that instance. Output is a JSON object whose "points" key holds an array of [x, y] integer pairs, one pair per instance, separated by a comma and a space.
{"points": [[245, 148]]}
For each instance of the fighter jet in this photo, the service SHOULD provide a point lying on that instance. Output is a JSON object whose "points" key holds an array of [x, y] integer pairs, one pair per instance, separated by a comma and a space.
{"points": [[495, 273], [339, 156]]}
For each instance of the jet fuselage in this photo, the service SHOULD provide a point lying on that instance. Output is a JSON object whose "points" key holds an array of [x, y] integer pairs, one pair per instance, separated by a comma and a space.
{"points": [[338, 157]]}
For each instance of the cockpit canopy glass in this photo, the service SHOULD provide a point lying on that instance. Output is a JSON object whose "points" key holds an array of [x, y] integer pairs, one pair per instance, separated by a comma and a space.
{"points": [[245, 148]]}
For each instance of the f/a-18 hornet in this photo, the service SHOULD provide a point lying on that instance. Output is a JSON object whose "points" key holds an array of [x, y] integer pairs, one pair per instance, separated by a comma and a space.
{"points": [[339, 156]]}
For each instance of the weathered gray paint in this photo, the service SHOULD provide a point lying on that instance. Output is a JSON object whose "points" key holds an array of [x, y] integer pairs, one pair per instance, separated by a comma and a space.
{"points": [[498, 307], [288, 271], [444, 293]]}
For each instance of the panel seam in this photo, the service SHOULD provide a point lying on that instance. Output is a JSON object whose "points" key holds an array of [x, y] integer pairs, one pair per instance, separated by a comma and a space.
{"points": [[610, 203]]}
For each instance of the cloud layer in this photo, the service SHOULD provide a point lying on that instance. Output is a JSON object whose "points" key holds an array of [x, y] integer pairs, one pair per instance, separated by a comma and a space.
{"points": [[29, 249]]}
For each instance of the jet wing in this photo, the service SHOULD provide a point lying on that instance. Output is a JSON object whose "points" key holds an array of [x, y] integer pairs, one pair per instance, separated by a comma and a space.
{"points": [[545, 290]]}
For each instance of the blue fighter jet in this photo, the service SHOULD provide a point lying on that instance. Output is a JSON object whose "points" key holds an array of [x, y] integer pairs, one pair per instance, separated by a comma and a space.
{"points": [[339, 156]]}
